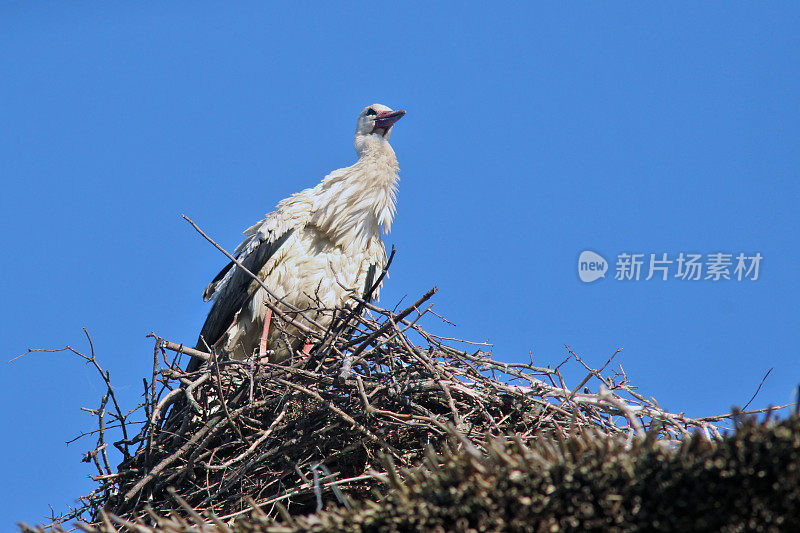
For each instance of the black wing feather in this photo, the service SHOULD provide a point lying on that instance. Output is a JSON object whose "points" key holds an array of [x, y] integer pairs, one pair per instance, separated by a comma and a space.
{"points": [[368, 283], [211, 288], [235, 295]]}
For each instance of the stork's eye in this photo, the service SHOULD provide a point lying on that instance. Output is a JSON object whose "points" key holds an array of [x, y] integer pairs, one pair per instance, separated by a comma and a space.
{"points": [[371, 111]]}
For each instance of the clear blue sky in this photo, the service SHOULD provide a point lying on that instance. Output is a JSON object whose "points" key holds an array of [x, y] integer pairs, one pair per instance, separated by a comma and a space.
{"points": [[532, 134]]}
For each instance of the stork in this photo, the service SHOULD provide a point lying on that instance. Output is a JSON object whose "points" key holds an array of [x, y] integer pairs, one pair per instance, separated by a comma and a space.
{"points": [[311, 252]]}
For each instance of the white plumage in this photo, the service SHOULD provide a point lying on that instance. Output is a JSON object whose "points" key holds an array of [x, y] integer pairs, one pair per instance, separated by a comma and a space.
{"points": [[312, 251]]}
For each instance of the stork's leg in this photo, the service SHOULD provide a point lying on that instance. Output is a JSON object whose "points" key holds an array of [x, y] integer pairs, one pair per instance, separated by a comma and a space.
{"points": [[262, 346], [307, 347]]}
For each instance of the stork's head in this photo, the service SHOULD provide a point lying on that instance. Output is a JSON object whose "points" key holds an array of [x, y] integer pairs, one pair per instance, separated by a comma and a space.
{"points": [[376, 120]]}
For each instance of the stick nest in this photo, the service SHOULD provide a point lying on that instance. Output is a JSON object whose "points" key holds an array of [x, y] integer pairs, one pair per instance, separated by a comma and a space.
{"points": [[238, 437]]}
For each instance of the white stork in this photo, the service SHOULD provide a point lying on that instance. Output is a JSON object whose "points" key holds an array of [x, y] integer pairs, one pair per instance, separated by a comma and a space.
{"points": [[317, 247]]}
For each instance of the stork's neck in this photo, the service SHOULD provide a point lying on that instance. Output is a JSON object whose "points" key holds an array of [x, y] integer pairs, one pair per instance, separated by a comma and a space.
{"points": [[376, 176], [372, 144], [357, 201]]}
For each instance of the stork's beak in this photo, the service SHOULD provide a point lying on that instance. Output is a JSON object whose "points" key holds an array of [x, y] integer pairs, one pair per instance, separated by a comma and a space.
{"points": [[386, 119]]}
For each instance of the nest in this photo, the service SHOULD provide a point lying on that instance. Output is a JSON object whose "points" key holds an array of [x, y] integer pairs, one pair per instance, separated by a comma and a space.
{"points": [[238, 437]]}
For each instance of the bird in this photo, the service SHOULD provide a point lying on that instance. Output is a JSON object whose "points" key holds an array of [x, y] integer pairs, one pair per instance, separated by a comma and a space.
{"points": [[312, 252]]}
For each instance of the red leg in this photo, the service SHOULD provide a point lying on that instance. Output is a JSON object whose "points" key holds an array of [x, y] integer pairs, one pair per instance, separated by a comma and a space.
{"points": [[307, 347], [262, 346]]}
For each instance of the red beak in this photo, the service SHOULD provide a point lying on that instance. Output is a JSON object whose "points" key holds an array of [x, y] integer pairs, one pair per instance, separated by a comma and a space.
{"points": [[386, 119]]}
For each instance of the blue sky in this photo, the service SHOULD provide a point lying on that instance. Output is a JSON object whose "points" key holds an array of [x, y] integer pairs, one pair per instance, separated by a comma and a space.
{"points": [[532, 134]]}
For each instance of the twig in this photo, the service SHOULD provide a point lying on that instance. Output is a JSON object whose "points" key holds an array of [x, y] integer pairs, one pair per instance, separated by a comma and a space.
{"points": [[758, 389]]}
